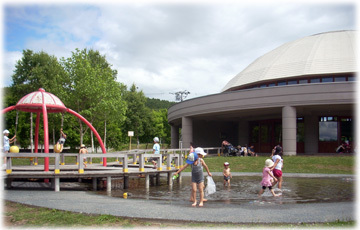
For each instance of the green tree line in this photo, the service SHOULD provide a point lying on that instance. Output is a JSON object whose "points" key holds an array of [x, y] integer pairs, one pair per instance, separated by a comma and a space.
{"points": [[86, 83]]}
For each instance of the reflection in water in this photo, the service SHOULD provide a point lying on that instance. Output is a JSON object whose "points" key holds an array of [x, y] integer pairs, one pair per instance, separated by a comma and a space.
{"points": [[243, 190]]}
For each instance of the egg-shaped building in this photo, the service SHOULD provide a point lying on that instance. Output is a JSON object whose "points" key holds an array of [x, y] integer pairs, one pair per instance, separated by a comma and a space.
{"points": [[301, 95]]}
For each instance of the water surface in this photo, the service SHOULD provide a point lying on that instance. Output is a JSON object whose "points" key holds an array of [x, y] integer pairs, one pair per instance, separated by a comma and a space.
{"points": [[243, 190]]}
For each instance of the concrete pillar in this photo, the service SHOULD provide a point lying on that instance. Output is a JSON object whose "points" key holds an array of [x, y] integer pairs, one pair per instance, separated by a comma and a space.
{"points": [[126, 182], [57, 184], [94, 183], [174, 137], [311, 134], [108, 184], [289, 130], [147, 181], [187, 131]]}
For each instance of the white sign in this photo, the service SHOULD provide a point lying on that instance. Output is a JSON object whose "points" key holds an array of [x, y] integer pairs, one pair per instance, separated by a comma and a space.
{"points": [[130, 133]]}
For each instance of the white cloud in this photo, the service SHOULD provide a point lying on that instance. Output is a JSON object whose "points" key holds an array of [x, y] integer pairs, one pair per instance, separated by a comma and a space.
{"points": [[165, 48], [10, 60]]}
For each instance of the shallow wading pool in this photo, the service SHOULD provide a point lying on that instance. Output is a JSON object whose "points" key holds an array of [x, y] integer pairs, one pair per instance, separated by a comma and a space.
{"points": [[243, 190]]}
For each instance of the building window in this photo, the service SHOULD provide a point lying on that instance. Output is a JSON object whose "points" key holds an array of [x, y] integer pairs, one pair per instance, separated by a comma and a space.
{"points": [[280, 83], [337, 79], [352, 78], [292, 82], [327, 79], [255, 134], [303, 81], [300, 131], [328, 129], [315, 80]]}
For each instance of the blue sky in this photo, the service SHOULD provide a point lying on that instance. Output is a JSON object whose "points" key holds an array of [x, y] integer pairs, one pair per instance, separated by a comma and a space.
{"points": [[165, 48]]}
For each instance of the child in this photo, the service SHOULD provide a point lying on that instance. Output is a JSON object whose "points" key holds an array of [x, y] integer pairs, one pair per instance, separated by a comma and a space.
{"points": [[7, 143], [83, 150], [267, 175], [227, 174], [62, 140], [197, 163], [156, 150], [277, 168]]}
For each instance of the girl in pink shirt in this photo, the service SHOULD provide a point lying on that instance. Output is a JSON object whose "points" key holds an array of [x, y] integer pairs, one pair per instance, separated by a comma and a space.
{"points": [[267, 175]]}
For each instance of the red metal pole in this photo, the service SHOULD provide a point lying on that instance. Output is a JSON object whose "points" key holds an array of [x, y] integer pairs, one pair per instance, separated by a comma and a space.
{"points": [[8, 109], [93, 129], [46, 134]]}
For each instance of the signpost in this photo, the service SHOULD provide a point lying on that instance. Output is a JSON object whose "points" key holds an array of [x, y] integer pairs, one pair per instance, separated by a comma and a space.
{"points": [[130, 134]]}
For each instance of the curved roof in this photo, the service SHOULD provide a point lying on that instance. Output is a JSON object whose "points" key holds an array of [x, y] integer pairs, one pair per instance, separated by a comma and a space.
{"points": [[331, 52]]}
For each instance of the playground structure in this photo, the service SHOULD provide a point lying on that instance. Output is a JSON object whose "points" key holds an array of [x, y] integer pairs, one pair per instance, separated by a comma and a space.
{"points": [[43, 102]]}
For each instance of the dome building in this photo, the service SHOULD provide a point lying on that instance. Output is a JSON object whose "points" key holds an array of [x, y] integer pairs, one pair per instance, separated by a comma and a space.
{"points": [[301, 95]]}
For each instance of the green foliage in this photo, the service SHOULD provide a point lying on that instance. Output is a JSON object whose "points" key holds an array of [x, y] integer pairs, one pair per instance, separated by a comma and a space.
{"points": [[156, 104], [37, 70], [87, 84], [137, 115]]}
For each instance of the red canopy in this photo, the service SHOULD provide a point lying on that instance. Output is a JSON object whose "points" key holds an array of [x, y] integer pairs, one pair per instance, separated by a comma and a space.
{"points": [[43, 102]]}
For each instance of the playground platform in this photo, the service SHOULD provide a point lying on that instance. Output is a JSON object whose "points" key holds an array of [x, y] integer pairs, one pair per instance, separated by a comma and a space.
{"points": [[124, 168]]}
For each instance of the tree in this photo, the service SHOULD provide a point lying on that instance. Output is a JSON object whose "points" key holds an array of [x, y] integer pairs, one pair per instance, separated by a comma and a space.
{"points": [[92, 90], [37, 70], [161, 127], [137, 115]]}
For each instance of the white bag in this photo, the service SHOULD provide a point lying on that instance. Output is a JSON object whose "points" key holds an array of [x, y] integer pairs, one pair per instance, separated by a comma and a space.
{"points": [[210, 187]]}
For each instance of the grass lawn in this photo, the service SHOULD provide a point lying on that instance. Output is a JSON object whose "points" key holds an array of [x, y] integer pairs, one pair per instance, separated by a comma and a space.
{"points": [[292, 164]]}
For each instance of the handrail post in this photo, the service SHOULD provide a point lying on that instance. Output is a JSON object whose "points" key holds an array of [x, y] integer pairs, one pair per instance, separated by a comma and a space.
{"points": [[62, 158], [159, 162], [125, 164], [168, 163], [8, 165], [57, 163], [80, 163], [141, 163]]}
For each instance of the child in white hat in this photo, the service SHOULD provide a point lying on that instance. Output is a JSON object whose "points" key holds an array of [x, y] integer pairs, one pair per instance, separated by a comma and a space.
{"points": [[156, 150], [267, 175], [197, 163], [7, 141], [227, 173]]}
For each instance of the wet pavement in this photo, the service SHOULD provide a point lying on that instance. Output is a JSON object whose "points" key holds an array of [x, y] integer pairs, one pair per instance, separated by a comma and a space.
{"points": [[261, 211]]}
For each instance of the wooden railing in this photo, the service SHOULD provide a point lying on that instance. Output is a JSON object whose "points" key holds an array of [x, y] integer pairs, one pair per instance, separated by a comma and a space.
{"points": [[123, 157]]}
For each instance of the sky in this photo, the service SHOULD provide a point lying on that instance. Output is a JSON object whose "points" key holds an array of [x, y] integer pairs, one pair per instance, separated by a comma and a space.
{"points": [[164, 48]]}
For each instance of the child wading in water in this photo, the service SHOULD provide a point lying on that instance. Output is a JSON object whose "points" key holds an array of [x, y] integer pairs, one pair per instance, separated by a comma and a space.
{"points": [[227, 173], [267, 175], [83, 151], [197, 177]]}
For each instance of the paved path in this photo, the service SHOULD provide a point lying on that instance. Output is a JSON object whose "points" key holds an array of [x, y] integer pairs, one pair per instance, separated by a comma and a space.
{"points": [[261, 212]]}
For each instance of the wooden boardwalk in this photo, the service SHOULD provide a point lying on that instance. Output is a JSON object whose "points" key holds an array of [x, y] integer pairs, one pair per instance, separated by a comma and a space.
{"points": [[119, 169]]}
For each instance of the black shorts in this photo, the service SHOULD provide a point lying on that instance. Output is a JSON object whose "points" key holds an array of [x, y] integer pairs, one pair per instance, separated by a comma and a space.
{"points": [[264, 187]]}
